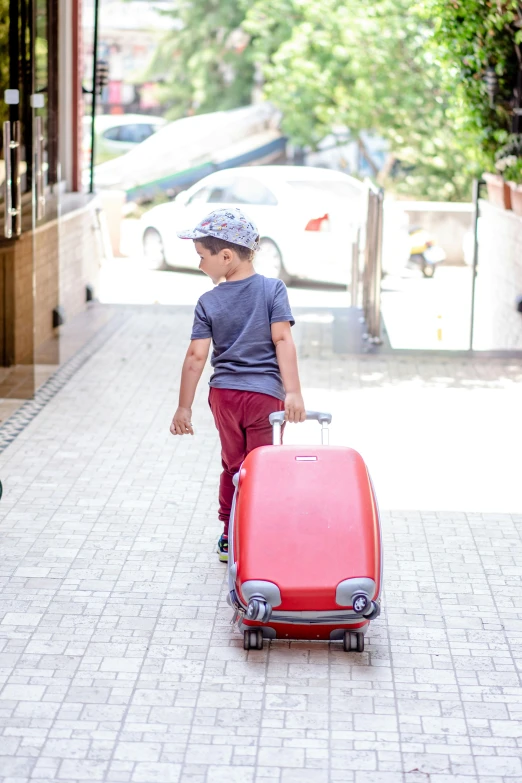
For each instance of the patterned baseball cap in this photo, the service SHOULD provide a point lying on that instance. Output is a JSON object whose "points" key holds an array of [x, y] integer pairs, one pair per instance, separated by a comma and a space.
{"points": [[230, 224]]}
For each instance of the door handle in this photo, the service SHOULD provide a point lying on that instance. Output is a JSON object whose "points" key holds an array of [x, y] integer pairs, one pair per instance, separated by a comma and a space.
{"points": [[12, 188], [38, 159]]}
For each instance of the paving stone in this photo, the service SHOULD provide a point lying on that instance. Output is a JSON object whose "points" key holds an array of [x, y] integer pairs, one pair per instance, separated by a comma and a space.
{"points": [[118, 662]]}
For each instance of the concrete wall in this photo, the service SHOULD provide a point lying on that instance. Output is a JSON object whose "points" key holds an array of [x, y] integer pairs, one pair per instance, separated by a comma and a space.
{"points": [[447, 221], [80, 258], [498, 326], [61, 257]]}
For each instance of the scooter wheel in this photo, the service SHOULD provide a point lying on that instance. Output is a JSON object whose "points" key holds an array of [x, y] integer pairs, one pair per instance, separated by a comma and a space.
{"points": [[428, 270]]}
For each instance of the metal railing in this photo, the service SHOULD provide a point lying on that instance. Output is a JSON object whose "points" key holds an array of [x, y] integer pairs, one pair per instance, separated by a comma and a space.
{"points": [[368, 243]]}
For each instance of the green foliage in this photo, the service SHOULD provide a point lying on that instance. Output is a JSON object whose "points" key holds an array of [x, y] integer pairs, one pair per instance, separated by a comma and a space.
{"points": [[512, 147], [410, 71], [205, 68], [365, 66], [513, 172], [471, 36], [509, 159]]}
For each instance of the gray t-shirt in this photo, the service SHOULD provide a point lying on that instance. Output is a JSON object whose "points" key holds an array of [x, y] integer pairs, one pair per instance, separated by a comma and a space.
{"points": [[237, 316]]}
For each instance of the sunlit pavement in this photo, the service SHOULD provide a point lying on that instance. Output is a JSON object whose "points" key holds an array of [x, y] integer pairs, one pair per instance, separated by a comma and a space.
{"points": [[118, 660], [403, 416], [429, 314], [418, 313]]}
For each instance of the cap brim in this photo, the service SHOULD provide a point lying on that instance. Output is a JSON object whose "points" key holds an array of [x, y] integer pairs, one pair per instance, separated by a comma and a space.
{"points": [[195, 234]]}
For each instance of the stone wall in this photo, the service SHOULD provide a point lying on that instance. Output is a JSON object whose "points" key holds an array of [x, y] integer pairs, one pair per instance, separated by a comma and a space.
{"points": [[498, 325]]}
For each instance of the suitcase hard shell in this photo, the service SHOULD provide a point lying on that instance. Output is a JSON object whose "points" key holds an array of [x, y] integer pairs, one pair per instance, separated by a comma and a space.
{"points": [[305, 553]]}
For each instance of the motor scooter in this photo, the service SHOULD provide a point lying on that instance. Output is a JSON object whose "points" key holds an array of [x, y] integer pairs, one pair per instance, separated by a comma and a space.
{"points": [[424, 253]]}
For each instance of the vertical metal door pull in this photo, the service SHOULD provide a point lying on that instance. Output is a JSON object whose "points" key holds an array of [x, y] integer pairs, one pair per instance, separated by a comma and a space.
{"points": [[12, 183], [38, 160]]}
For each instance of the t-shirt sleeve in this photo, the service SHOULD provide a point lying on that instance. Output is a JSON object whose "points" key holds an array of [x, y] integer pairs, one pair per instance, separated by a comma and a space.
{"points": [[202, 326], [281, 306]]}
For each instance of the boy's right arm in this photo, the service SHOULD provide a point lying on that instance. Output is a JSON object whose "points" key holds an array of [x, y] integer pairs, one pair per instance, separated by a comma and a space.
{"points": [[191, 373]]}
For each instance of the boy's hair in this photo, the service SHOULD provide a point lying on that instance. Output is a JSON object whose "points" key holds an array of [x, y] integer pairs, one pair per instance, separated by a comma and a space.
{"points": [[215, 246]]}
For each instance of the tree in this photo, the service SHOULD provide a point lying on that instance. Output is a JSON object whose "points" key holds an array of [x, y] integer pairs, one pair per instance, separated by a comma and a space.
{"points": [[472, 37], [365, 67], [204, 61], [407, 70]]}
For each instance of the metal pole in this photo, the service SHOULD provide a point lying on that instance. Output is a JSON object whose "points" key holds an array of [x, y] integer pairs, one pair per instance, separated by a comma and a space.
{"points": [[94, 71], [355, 270], [368, 257], [376, 336], [476, 194]]}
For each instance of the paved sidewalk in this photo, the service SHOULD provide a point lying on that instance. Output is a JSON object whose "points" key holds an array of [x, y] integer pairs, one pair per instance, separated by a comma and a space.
{"points": [[118, 662]]}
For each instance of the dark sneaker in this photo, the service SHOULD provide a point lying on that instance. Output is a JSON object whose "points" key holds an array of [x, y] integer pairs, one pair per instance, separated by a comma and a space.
{"points": [[222, 549]]}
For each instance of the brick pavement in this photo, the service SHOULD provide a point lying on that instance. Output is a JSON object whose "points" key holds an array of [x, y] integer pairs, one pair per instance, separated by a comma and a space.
{"points": [[117, 659]]}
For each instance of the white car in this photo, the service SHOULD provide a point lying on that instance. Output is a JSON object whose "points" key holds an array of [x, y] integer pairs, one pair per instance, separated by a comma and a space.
{"points": [[307, 218], [117, 134]]}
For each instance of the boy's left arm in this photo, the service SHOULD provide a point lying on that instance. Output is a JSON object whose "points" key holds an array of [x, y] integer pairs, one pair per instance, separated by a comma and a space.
{"points": [[287, 360], [191, 373]]}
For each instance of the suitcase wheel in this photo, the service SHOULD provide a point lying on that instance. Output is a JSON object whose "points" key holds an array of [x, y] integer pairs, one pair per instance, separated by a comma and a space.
{"points": [[353, 641], [253, 639]]}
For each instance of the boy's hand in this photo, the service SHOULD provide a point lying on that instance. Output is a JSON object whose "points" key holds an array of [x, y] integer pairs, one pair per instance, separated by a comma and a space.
{"points": [[181, 423], [295, 408]]}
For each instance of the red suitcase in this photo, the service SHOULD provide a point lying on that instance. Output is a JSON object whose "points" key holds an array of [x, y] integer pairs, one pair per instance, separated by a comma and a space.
{"points": [[305, 552]]}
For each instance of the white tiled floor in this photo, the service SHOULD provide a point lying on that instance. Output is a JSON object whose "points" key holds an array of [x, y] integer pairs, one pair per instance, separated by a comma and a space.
{"points": [[117, 659]]}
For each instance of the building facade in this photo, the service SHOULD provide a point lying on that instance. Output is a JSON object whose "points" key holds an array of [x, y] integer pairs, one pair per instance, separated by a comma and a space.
{"points": [[50, 238]]}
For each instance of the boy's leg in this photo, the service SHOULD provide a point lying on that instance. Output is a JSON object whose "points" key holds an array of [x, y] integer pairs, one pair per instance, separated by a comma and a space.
{"points": [[226, 408], [258, 408]]}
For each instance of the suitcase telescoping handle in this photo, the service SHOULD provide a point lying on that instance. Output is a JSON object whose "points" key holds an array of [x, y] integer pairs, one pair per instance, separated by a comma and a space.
{"points": [[277, 420]]}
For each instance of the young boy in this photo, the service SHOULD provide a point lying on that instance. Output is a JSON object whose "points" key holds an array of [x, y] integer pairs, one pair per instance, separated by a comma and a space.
{"points": [[248, 319]]}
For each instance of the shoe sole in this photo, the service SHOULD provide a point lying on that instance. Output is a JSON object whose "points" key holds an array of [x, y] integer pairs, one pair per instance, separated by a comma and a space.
{"points": [[223, 558]]}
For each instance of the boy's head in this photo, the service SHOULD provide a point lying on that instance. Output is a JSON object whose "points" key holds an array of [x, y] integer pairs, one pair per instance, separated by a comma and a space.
{"points": [[223, 239]]}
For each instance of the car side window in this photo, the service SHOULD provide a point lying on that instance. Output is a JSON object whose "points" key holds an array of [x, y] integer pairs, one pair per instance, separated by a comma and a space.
{"points": [[134, 133], [144, 131], [112, 134], [200, 196], [220, 194], [247, 190]]}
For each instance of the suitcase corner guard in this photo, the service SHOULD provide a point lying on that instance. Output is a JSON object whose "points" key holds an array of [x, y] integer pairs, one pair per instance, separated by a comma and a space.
{"points": [[260, 598]]}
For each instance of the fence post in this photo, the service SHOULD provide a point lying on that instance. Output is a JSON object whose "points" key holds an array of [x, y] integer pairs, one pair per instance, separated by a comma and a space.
{"points": [[377, 270], [372, 272], [476, 196], [354, 289]]}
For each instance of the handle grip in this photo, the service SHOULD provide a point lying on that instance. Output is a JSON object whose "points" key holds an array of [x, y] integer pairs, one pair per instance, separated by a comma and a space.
{"points": [[323, 418], [277, 420], [8, 183]]}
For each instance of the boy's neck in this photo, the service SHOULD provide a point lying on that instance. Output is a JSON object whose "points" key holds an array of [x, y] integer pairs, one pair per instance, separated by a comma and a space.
{"points": [[241, 272]]}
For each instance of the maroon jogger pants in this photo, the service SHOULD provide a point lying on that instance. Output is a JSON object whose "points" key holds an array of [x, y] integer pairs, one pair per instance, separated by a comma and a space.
{"points": [[242, 421]]}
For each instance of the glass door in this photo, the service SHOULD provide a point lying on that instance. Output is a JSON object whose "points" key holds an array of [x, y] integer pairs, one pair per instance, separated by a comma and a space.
{"points": [[16, 198], [28, 168]]}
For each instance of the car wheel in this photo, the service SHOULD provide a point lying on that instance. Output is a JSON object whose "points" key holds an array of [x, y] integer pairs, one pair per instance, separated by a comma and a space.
{"points": [[269, 261], [153, 249]]}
